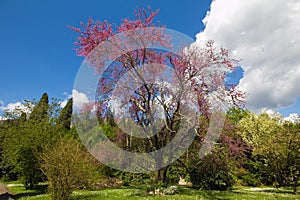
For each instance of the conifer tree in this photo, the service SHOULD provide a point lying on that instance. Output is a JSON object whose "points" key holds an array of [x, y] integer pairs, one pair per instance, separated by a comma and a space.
{"points": [[40, 111], [65, 116], [22, 118]]}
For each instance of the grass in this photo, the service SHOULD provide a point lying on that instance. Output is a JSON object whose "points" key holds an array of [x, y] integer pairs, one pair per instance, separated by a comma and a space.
{"points": [[137, 193], [20, 192]]}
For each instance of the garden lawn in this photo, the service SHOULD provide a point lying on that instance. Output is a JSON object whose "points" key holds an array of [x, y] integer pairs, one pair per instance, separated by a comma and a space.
{"points": [[137, 193]]}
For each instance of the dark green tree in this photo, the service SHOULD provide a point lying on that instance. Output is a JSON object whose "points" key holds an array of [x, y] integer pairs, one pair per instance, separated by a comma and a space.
{"points": [[65, 117], [10, 122], [40, 111], [22, 118], [21, 147], [24, 140]]}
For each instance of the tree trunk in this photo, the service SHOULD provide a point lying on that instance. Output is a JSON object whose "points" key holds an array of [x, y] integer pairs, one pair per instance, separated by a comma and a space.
{"points": [[161, 175], [295, 187]]}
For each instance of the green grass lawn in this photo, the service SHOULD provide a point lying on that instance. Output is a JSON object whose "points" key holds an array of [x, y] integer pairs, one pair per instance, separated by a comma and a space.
{"points": [[136, 193]]}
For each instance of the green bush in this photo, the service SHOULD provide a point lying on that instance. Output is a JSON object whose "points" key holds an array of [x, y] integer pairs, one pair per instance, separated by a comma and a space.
{"points": [[174, 172], [67, 167], [211, 173], [133, 178], [251, 180]]}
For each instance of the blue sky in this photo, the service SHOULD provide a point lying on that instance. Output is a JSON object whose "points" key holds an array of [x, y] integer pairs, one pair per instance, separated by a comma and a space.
{"points": [[37, 52], [37, 47]]}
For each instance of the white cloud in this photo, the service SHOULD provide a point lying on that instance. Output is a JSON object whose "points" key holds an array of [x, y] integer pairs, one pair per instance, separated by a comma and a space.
{"points": [[16, 108], [79, 100], [64, 103], [265, 35], [13, 106], [293, 117]]}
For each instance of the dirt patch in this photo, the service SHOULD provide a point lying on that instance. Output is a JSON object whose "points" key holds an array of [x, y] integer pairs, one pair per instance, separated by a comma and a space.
{"points": [[15, 185], [260, 189], [5, 194]]}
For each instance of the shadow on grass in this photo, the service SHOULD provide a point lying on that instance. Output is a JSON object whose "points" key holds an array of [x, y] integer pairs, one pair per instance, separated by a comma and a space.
{"points": [[5, 196], [39, 189]]}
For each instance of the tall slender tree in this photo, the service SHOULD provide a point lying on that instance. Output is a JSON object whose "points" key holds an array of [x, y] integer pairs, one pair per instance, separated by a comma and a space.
{"points": [[40, 111], [65, 116]]}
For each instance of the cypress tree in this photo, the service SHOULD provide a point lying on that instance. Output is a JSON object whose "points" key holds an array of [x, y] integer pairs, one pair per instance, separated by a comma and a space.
{"points": [[65, 116], [22, 118], [40, 111]]}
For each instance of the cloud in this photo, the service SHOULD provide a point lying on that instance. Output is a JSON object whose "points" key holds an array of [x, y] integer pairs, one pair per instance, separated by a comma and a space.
{"points": [[13, 106], [64, 102], [16, 109], [293, 117], [265, 35], [79, 100]]}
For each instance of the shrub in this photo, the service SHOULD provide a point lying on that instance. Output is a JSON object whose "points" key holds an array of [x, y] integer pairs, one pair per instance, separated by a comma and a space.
{"points": [[67, 167], [251, 180], [211, 173]]}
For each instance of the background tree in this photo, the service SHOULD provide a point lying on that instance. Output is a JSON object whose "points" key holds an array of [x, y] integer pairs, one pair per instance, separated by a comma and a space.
{"points": [[24, 140], [277, 144], [217, 170], [11, 120], [65, 118], [40, 111]]}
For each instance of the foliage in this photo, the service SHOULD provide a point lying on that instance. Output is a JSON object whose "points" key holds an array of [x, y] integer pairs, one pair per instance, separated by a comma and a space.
{"points": [[250, 179], [24, 138], [175, 171], [65, 117], [218, 169], [11, 120], [235, 114], [40, 111], [23, 142], [22, 145], [67, 168], [211, 172], [277, 143], [133, 179]]}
